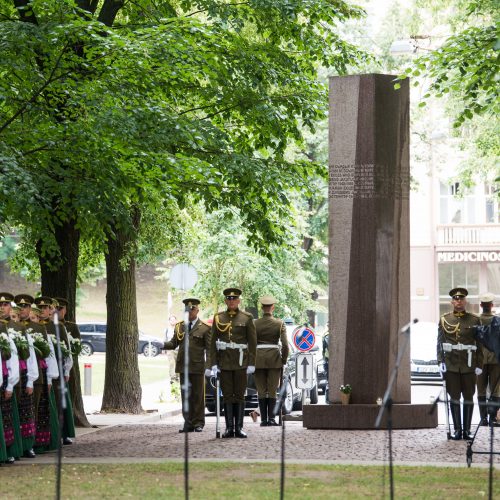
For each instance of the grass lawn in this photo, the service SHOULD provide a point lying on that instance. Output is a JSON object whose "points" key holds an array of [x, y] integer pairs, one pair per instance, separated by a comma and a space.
{"points": [[152, 370], [246, 481]]}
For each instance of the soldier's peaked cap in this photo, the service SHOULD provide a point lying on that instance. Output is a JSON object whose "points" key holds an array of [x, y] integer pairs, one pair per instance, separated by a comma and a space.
{"points": [[191, 302], [461, 292], [267, 300], [6, 297], [62, 301], [486, 297], [43, 300], [232, 292], [23, 298]]}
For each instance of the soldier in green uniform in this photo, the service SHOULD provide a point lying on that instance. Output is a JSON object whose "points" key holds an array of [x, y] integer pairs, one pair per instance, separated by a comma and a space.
{"points": [[199, 363], [460, 359], [232, 350], [491, 368], [270, 359]]}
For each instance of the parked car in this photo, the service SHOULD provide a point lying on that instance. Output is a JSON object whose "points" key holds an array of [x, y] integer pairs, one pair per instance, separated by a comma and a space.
{"points": [[93, 337], [423, 340]]}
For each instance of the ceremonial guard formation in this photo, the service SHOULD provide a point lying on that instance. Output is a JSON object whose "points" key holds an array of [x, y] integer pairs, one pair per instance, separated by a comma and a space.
{"points": [[272, 353], [232, 353], [28, 408], [461, 360], [199, 363]]}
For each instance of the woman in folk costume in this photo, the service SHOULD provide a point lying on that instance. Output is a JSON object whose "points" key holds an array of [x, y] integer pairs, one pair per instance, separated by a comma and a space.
{"points": [[10, 377], [8, 405], [28, 373], [68, 429], [46, 418]]}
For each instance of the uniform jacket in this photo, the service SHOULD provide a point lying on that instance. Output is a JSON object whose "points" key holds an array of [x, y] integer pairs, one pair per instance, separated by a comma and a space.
{"points": [[489, 357], [237, 326], [459, 329], [199, 347], [270, 330]]}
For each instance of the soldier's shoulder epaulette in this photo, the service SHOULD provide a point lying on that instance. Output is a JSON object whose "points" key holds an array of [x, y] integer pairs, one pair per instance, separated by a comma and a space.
{"points": [[475, 315], [250, 315], [203, 322]]}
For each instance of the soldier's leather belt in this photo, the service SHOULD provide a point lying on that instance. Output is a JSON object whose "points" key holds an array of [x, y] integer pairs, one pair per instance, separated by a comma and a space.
{"points": [[447, 347], [222, 346]]}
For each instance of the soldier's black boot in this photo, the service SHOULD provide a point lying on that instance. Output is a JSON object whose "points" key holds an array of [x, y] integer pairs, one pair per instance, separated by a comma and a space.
{"points": [[263, 412], [239, 413], [468, 410], [483, 411], [271, 403], [457, 422], [228, 415]]}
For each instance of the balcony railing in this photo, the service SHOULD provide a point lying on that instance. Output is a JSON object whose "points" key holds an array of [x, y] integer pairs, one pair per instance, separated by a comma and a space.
{"points": [[465, 234]]}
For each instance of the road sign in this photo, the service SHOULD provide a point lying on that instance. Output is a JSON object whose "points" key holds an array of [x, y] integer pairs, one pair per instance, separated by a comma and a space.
{"points": [[304, 338], [304, 370], [183, 277]]}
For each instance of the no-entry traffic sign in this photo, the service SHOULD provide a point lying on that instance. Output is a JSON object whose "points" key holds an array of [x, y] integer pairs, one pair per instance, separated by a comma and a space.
{"points": [[304, 338]]}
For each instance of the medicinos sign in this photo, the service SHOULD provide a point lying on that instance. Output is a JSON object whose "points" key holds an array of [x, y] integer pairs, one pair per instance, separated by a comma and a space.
{"points": [[476, 256]]}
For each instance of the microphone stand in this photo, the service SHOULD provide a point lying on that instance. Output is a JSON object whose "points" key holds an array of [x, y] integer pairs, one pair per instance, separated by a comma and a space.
{"points": [[387, 402], [62, 406], [185, 404], [277, 407]]}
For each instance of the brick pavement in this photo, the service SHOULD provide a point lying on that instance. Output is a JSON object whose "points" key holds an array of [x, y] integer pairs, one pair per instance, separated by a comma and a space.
{"points": [[157, 439]]}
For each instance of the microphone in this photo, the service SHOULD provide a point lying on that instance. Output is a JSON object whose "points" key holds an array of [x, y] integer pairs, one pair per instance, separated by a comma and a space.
{"points": [[408, 326]]}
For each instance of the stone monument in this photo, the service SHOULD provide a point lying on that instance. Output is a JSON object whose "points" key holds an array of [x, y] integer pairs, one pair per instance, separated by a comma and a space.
{"points": [[369, 254]]}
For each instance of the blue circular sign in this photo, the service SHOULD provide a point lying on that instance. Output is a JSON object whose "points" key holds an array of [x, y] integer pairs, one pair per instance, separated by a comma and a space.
{"points": [[304, 338]]}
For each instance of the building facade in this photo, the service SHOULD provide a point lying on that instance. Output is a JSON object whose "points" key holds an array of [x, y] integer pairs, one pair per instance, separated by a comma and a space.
{"points": [[455, 241]]}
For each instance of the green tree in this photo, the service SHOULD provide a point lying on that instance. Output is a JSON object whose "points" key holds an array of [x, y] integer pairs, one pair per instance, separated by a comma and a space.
{"points": [[222, 257], [466, 65], [110, 111]]}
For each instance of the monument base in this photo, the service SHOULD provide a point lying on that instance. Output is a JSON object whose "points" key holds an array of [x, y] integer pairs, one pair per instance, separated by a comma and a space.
{"points": [[363, 416]]}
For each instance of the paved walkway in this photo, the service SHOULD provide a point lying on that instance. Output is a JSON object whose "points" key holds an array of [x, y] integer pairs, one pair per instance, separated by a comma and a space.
{"points": [[155, 437]]}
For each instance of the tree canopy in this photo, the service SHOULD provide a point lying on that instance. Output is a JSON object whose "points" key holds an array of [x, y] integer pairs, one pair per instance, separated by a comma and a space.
{"points": [[466, 65], [114, 113]]}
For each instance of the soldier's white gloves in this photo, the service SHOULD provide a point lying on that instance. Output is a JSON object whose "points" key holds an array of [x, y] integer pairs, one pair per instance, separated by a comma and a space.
{"points": [[442, 368], [478, 371], [214, 371], [250, 370], [208, 372]]}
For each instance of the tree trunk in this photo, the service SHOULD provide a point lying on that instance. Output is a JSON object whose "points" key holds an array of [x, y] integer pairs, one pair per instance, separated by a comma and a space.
{"points": [[61, 282], [122, 386]]}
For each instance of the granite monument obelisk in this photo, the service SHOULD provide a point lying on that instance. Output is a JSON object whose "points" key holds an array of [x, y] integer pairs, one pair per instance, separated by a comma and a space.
{"points": [[369, 252]]}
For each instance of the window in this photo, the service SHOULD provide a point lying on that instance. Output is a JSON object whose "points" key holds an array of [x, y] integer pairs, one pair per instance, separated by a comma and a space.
{"points": [[454, 210], [86, 328], [492, 205], [455, 274]]}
